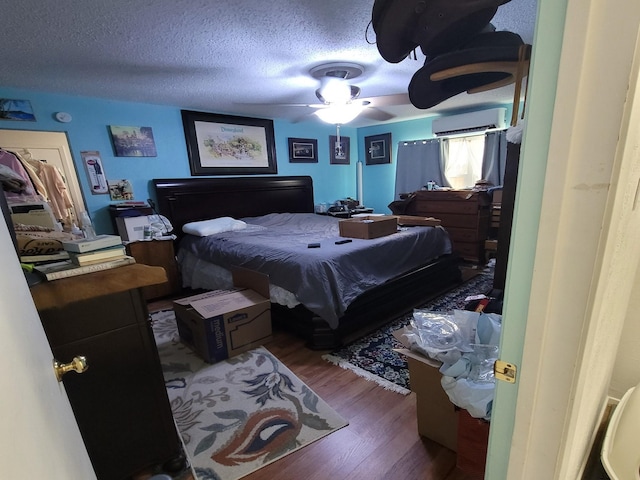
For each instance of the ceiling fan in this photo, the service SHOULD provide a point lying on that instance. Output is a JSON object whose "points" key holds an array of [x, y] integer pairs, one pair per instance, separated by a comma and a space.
{"points": [[340, 101]]}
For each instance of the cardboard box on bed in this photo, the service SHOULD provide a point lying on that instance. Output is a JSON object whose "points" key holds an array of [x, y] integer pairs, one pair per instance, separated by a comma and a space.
{"points": [[369, 226], [437, 416], [222, 323]]}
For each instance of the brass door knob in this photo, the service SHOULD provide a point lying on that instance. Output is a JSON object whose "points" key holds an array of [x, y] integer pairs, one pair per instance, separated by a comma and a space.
{"points": [[78, 364]]}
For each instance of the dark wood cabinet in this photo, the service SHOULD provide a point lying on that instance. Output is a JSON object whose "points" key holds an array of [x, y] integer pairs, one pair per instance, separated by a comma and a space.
{"points": [[120, 401], [464, 214]]}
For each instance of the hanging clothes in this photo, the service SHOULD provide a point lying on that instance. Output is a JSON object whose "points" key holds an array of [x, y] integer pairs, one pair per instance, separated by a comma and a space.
{"points": [[35, 179], [8, 159], [59, 198], [11, 181]]}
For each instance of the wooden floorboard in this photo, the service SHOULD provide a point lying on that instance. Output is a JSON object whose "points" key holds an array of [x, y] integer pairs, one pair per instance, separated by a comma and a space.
{"points": [[381, 440]]}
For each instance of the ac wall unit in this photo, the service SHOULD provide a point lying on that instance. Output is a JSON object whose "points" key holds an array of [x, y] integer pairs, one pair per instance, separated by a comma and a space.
{"points": [[469, 122]]}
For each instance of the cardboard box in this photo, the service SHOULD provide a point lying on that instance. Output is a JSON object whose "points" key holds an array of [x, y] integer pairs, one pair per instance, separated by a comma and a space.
{"points": [[223, 323], [437, 416], [369, 226], [41, 218], [131, 229], [411, 220], [41, 243]]}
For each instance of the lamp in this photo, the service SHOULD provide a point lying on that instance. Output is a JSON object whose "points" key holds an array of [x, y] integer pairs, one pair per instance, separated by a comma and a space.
{"points": [[339, 114]]}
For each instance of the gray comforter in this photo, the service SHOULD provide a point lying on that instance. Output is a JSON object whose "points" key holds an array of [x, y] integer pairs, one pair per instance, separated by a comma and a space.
{"points": [[326, 279]]}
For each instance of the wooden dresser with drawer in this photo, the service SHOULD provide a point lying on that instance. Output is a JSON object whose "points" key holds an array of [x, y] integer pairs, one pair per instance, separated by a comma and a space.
{"points": [[465, 215]]}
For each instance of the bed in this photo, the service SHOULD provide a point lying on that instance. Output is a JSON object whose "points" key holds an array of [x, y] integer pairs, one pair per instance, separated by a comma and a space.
{"points": [[324, 294]]}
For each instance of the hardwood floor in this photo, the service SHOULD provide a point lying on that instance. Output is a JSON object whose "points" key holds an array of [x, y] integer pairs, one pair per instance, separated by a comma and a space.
{"points": [[381, 440]]}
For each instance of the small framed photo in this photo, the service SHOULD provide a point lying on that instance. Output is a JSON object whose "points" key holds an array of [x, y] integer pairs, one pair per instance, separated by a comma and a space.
{"points": [[339, 152], [16, 109], [378, 149], [133, 141], [303, 150], [120, 190]]}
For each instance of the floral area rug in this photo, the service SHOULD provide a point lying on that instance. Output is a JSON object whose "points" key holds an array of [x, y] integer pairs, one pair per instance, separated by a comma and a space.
{"points": [[241, 414], [373, 358]]}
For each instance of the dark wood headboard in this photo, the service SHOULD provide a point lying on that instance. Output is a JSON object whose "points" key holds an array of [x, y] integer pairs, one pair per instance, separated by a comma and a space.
{"points": [[184, 200]]}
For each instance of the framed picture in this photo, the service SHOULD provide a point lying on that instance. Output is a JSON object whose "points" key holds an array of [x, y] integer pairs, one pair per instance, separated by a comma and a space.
{"points": [[120, 189], [339, 152], [12, 109], [133, 141], [228, 144], [378, 149], [303, 150]]}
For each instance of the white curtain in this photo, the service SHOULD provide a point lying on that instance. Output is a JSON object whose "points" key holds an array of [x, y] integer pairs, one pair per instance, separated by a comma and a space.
{"points": [[463, 160]]}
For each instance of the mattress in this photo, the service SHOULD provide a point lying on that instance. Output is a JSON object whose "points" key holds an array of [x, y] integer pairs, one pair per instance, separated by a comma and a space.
{"points": [[325, 279]]}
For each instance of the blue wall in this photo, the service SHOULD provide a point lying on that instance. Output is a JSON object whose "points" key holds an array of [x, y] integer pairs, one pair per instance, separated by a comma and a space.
{"points": [[89, 131]]}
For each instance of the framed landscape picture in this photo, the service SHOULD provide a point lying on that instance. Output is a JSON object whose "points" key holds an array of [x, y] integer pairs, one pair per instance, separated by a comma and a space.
{"points": [[303, 150], [133, 141], [339, 152], [378, 149], [228, 144]]}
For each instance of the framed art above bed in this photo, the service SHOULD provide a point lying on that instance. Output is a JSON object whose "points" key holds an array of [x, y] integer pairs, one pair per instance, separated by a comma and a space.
{"points": [[229, 144]]}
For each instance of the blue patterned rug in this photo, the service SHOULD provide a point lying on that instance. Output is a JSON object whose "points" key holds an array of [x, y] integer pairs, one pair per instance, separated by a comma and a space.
{"points": [[373, 358]]}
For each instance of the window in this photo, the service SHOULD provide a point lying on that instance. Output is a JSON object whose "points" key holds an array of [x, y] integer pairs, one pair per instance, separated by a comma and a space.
{"points": [[463, 160]]}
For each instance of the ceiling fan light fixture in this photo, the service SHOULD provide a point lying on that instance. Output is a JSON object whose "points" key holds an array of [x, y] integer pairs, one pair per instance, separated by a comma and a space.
{"points": [[335, 90], [339, 114]]}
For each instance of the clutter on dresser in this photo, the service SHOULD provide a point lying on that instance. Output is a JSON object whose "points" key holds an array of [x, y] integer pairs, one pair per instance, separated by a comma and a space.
{"points": [[344, 208]]}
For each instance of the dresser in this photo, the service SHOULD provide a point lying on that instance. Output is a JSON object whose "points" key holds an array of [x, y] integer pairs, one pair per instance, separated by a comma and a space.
{"points": [[120, 401], [464, 214]]}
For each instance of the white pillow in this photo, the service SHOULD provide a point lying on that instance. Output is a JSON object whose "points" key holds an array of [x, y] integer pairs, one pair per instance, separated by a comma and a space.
{"points": [[213, 226]]}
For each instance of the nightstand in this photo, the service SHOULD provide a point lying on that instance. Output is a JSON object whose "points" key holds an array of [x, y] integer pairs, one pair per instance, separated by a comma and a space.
{"points": [[158, 253]]}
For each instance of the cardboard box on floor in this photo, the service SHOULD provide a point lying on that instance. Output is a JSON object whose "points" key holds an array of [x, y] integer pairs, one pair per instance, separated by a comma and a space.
{"points": [[368, 227], [222, 323], [437, 416]]}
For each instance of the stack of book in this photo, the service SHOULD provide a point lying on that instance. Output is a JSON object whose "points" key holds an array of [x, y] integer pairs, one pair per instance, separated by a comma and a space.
{"points": [[87, 256]]}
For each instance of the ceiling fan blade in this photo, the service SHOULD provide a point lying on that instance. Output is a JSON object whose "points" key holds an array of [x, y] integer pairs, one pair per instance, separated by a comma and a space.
{"points": [[275, 104], [389, 100], [376, 114]]}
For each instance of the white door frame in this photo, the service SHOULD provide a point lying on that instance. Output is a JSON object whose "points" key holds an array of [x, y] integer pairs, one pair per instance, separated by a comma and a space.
{"points": [[564, 266]]}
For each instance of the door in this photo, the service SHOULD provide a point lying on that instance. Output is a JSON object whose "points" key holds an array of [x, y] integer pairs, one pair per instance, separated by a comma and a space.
{"points": [[39, 436], [53, 147], [568, 278]]}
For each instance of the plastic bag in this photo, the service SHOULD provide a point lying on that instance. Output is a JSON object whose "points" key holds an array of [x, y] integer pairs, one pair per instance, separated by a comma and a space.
{"points": [[159, 225]]}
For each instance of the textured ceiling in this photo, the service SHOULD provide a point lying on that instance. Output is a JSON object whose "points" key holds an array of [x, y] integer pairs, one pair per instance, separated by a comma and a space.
{"points": [[215, 56]]}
